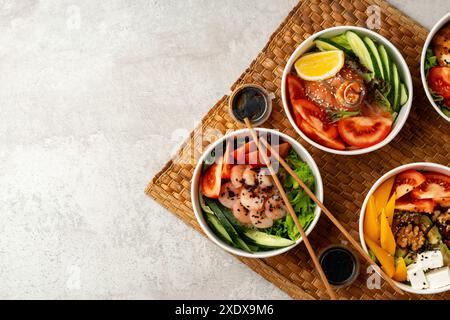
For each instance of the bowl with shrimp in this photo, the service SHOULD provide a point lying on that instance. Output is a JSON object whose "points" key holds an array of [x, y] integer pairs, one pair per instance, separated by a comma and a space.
{"points": [[347, 90], [236, 202]]}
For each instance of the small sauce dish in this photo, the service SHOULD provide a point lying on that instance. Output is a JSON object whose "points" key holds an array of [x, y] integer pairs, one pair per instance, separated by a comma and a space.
{"points": [[252, 101]]}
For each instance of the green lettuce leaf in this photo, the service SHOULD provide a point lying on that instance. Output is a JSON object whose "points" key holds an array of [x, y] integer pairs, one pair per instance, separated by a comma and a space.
{"points": [[303, 206]]}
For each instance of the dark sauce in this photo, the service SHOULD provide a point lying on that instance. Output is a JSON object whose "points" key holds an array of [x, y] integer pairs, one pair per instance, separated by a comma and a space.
{"points": [[339, 265], [249, 102]]}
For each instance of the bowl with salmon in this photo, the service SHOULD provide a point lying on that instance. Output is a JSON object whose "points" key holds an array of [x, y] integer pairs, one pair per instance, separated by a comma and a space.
{"points": [[347, 90], [405, 226], [435, 67], [237, 203]]}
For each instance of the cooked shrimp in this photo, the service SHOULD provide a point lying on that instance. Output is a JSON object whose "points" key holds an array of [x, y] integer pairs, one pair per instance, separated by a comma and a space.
{"points": [[252, 199], [274, 207], [236, 175], [241, 213], [250, 176], [260, 220], [264, 179], [228, 195]]}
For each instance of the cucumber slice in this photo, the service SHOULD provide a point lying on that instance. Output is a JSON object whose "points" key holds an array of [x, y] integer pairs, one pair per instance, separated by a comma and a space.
{"points": [[395, 90], [205, 208], [325, 44], [218, 229], [232, 219], [386, 62], [403, 94], [361, 50], [238, 242], [268, 241], [379, 72], [342, 41]]}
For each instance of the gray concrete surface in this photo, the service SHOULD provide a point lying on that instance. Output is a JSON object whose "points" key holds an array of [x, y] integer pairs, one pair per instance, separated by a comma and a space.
{"points": [[95, 96]]}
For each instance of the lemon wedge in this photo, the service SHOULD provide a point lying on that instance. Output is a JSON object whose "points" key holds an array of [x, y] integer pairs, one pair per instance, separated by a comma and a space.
{"points": [[320, 65]]}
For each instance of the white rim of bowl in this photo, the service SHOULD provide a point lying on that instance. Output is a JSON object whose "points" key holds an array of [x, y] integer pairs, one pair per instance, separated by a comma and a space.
{"points": [[445, 19], [417, 165], [199, 215], [398, 124]]}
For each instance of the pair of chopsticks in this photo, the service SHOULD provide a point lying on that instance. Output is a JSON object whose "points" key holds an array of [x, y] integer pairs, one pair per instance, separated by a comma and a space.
{"points": [[264, 146]]}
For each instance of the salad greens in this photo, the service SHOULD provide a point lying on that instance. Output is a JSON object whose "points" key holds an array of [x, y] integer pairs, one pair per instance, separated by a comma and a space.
{"points": [[303, 205], [430, 62]]}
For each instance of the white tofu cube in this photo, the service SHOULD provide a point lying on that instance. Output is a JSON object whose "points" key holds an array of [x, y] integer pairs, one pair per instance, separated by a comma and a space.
{"points": [[438, 278], [430, 259], [416, 276]]}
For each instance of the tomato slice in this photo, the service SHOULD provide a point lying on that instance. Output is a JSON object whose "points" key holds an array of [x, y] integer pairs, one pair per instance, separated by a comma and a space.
{"points": [[255, 159], [406, 181], [436, 186], [227, 162], [439, 81], [320, 137], [295, 88], [415, 205], [364, 132], [211, 180], [239, 153], [315, 117]]}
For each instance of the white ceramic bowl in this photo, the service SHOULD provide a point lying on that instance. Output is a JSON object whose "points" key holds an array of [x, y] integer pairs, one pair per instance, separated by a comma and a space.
{"points": [[394, 54], [304, 155], [445, 19], [428, 166]]}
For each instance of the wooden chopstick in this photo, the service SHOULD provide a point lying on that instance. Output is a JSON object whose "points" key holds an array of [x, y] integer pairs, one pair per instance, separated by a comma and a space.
{"points": [[291, 210], [330, 216]]}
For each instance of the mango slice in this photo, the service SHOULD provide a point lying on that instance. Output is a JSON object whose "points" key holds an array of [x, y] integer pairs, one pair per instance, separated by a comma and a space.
{"points": [[389, 210], [400, 271], [387, 239], [386, 260], [371, 221], [381, 195]]}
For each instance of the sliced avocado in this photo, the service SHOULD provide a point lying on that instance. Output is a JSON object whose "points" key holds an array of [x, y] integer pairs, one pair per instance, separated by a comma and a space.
{"points": [[267, 240], [378, 64], [434, 236]]}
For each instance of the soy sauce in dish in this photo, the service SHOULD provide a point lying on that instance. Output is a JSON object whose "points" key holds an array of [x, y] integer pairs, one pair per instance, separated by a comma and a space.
{"points": [[249, 102], [339, 265]]}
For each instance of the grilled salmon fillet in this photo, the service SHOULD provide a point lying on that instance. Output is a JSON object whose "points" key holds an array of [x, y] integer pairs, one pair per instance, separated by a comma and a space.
{"points": [[345, 91], [441, 46]]}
